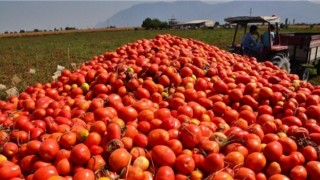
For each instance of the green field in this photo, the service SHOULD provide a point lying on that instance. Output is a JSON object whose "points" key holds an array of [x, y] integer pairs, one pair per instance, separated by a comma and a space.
{"points": [[18, 54]]}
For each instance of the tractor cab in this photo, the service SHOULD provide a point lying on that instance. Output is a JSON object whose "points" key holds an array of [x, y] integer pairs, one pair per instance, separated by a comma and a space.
{"points": [[274, 52]]}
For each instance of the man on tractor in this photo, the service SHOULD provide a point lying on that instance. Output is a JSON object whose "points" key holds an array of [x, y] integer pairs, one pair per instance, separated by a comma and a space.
{"points": [[250, 44]]}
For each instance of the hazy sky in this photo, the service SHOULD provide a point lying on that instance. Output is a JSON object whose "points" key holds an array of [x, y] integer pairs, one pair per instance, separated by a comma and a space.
{"points": [[30, 15]]}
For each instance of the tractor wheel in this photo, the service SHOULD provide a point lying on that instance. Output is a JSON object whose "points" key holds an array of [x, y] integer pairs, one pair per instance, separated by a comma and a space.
{"points": [[304, 73], [282, 61]]}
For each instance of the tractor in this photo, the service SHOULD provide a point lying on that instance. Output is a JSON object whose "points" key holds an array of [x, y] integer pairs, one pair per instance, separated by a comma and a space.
{"points": [[297, 53]]}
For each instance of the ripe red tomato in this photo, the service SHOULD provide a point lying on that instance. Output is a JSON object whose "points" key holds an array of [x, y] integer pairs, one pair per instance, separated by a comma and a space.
{"points": [[158, 137], [48, 149], [298, 172], [80, 154], [184, 164], [140, 140], [163, 155], [273, 168], [64, 166], [190, 135], [45, 173], [165, 173], [119, 159], [99, 127], [244, 173], [96, 162], [288, 145], [213, 163], [273, 151], [310, 153], [255, 161], [27, 162], [68, 140], [84, 174], [278, 176], [93, 138], [234, 159], [132, 173], [10, 149], [9, 170], [313, 169], [128, 113]]}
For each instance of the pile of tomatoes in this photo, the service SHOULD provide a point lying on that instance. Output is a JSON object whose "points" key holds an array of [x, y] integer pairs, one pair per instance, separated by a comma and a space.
{"points": [[164, 108]]}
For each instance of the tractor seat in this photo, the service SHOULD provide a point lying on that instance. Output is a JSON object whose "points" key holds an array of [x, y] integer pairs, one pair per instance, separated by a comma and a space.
{"points": [[278, 48]]}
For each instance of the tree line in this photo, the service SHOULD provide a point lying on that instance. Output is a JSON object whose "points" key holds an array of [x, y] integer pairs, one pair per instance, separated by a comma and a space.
{"points": [[39, 30], [154, 23]]}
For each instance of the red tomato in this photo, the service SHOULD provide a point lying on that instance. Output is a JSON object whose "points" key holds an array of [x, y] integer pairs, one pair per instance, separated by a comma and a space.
{"points": [[298, 172], [140, 140], [119, 159], [93, 138], [213, 163], [45, 173], [236, 147], [9, 170], [273, 168], [165, 173], [310, 153], [255, 161], [244, 173], [95, 163], [278, 176], [158, 137], [162, 113], [288, 145], [10, 149], [313, 170], [273, 151], [68, 140], [64, 166], [190, 135], [99, 127], [132, 173], [234, 159], [128, 113], [163, 155], [84, 174], [27, 162], [80, 154], [48, 149], [184, 164], [248, 115]]}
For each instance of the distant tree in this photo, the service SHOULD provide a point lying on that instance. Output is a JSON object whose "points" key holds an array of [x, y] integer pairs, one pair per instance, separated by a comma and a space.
{"points": [[70, 28], [311, 26], [293, 21], [164, 25], [22, 31], [36, 30], [286, 23], [216, 24], [147, 23], [6, 32], [56, 29], [155, 23]]}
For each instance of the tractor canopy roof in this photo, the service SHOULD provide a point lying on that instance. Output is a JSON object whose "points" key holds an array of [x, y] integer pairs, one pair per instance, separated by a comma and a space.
{"points": [[252, 19]]}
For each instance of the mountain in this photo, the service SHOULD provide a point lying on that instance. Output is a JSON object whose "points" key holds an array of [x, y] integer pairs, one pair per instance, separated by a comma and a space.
{"points": [[300, 11]]}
